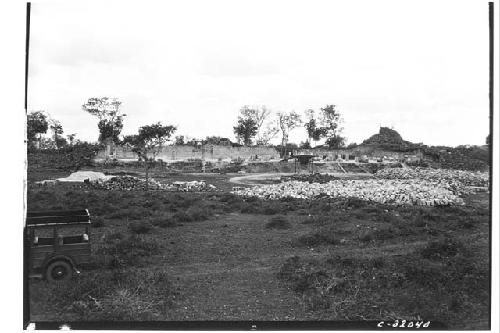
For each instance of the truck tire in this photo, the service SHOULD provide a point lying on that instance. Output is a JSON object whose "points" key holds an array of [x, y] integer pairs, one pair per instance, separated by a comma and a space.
{"points": [[59, 271]]}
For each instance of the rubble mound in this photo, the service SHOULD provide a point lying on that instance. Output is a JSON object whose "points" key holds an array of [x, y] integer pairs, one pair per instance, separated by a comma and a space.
{"points": [[390, 139], [130, 183], [384, 191], [385, 136], [393, 186], [320, 178], [457, 181], [193, 186]]}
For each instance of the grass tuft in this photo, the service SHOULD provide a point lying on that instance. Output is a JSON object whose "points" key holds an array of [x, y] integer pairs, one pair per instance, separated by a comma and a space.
{"points": [[140, 227], [326, 237], [278, 222]]}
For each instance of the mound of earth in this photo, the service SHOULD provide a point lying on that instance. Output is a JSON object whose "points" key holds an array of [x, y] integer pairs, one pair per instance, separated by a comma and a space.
{"points": [[80, 176]]}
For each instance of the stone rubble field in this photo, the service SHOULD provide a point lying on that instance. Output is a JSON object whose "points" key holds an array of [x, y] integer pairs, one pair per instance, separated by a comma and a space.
{"points": [[129, 183], [457, 181], [423, 187]]}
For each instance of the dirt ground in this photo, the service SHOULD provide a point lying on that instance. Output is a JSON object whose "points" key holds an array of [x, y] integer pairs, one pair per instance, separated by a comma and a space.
{"points": [[227, 266]]}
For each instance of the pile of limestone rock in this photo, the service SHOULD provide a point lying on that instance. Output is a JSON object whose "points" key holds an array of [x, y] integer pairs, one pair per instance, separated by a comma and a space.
{"points": [[130, 183], [385, 191], [458, 181], [193, 186], [311, 178], [394, 186]]}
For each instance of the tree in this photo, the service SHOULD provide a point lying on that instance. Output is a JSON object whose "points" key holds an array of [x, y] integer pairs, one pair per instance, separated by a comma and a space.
{"points": [[36, 126], [57, 132], [110, 130], [107, 110], [212, 140], [71, 138], [245, 130], [259, 115], [305, 145], [336, 142], [148, 143], [352, 145], [267, 134], [314, 132], [330, 122], [179, 140], [286, 123]]}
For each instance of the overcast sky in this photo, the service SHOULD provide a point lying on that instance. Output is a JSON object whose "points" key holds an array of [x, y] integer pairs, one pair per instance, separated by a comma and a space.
{"points": [[420, 67]]}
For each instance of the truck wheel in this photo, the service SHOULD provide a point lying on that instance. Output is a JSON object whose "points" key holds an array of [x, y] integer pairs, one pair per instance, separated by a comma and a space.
{"points": [[59, 271]]}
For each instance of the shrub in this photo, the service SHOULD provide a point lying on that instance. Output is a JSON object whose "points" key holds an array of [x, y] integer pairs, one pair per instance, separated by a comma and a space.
{"points": [[319, 238], [468, 223], [250, 208], [140, 227], [229, 198], [385, 233], [169, 223], [311, 279], [197, 213], [270, 210], [317, 219], [378, 262], [97, 222], [164, 222], [355, 203], [64, 294], [181, 201], [343, 262], [278, 222], [425, 273], [135, 213], [422, 217], [109, 295], [114, 236], [139, 245], [142, 295], [252, 199], [182, 216], [366, 236], [443, 248], [129, 250]]}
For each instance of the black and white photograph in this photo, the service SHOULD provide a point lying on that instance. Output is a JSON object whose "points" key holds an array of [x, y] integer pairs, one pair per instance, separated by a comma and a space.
{"points": [[259, 165]]}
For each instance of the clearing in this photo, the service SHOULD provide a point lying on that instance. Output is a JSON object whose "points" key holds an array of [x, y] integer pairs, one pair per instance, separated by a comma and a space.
{"points": [[215, 256]]}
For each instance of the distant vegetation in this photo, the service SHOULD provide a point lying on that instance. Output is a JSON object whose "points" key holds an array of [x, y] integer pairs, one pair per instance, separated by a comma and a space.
{"points": [[70, 157], [256, 125]]}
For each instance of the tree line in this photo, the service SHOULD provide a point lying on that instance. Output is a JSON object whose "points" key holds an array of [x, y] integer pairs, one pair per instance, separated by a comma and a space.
{"points": [[255, 126]]}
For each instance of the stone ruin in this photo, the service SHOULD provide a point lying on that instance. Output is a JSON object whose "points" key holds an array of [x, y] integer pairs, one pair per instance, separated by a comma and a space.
{"points": [[386, 146]]}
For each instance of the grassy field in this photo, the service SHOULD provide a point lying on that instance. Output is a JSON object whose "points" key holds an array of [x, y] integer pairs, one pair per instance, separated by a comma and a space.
{"points": [[214, 256]]}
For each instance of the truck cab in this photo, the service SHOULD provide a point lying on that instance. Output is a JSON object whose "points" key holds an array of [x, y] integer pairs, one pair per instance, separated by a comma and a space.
{"points": [[58, 242]]}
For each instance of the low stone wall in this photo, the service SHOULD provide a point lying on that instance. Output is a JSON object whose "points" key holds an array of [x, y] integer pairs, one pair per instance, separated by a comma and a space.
{"points": [[215, 153], [185, 152]]}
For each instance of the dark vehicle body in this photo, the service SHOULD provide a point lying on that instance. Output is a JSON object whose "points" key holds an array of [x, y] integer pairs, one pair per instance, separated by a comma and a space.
{"points": [[58, 242]]}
